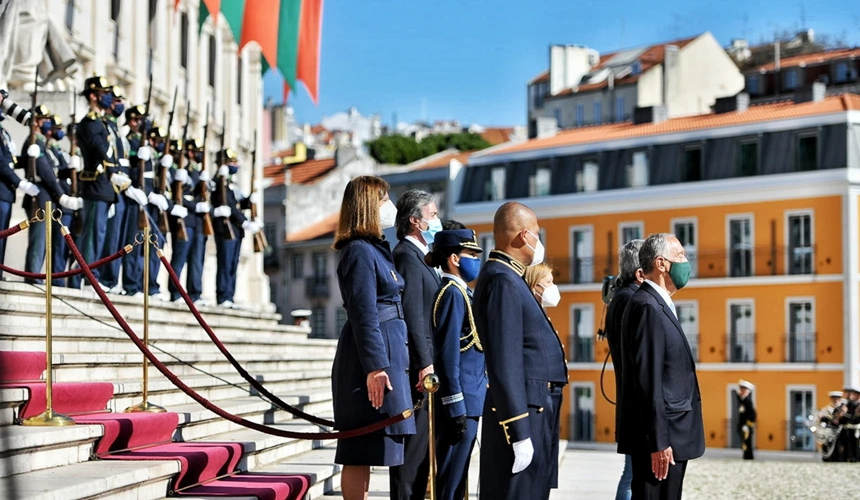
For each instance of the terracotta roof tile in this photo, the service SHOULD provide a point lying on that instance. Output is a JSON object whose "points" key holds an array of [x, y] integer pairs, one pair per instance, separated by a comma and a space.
{"points": [[275, 173], [761, 113], [808, 59], [445, 160], [316, 230], [309, 171], [497, 135]]}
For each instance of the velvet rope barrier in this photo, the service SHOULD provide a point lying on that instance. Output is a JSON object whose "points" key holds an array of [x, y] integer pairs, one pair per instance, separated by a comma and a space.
{"points": [[71, 272], [17, 228], [221, 347], [368, 429]]}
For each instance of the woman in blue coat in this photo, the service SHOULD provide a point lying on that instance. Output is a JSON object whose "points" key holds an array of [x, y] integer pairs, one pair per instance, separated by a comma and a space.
{"points": [[371, 366]]}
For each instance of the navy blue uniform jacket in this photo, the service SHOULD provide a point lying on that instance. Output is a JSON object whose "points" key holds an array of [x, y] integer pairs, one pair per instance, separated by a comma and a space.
{"points": [[373, 338], [9, 180], [662, 405], [614, 314], [46, 179], [421, 285], [459, 354], [236, 217], [97, 148]]}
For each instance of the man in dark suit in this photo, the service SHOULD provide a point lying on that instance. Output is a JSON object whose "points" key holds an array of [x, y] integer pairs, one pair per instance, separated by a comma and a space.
{"points": [[661, 406], [746, 417], [417, 224], [525, 366]]}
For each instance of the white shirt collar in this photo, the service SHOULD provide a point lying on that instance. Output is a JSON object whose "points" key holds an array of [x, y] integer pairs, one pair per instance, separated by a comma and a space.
{"points": [[664, 295], [421, 246], [456, 278]]}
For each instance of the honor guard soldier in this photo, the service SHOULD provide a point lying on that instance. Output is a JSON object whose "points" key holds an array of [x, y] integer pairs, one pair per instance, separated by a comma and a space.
{"points": [[828, 418], [63, 164], [50, 189], [9, 182], [189, 177], [230, 227], [115, 235], [101, 171], [746, 417], [192, 250], [458, 359], [525, 366]]}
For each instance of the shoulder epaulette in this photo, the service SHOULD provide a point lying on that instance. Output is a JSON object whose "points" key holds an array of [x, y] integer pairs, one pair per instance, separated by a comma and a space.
{"points": [[470, 338]]}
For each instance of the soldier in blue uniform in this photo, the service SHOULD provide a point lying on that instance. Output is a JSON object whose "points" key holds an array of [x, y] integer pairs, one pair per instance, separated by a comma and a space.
{"points": [[458, 358], [190, 177], [50, 189], [525, 366], [9, 183], [370, 374], [201, 208], [64, 165], [100, 174]]}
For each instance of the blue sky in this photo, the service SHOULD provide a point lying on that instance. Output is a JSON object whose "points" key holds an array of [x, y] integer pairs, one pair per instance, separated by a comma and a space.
{"points": [[470, 60]]}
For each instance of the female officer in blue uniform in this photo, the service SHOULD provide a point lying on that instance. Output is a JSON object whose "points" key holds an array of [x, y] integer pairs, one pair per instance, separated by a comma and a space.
{"points": [[370, 375], [459, 358]]}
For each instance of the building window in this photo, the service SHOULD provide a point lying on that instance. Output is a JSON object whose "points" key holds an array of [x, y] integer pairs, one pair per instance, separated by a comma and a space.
{"points": [[748, 158], [582, 412], [740, 246], [582, 255], [741, 332], [580, 115], [320, 261], [339, 320], [753, 85], [318, 322], [487, 243], [801, 404], [183, 41], [586, 179], [685, 231], [843, 72], [688, 316], [630, 231], [598, 112], [807, 152], [801, 331], [692, 170], [557, 114], [619, 109], [298, 266], [213, 58], [790, 79], [540, 181], [582, 333], [800, 247], [637, 171], [497, 183]]}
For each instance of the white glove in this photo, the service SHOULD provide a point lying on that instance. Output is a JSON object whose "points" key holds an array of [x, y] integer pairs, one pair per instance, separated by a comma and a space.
{"points": [[144, 153], [33, 150], [158, 200], [136, 195], [28, 187], [523, 453], [254, 197], [204, 176], [167, 161], [251, 226], [202, 207], [224, 171], [222, 211], [181, 175], [179, 211], [120, 180], [76, 163], [71, 203]]}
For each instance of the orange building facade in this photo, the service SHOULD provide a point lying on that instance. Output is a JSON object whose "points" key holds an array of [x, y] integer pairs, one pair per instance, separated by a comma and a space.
{"points": [[765, 201]]}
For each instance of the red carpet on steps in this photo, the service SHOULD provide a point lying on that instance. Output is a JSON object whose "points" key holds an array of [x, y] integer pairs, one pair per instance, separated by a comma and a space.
{"points": [[21, 366], [123, 431]]}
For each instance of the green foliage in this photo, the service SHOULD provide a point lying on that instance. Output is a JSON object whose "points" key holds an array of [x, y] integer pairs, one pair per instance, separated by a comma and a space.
{"points": [[399, 149]]}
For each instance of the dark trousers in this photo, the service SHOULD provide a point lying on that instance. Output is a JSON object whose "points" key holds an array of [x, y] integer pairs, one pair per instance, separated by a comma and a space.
{"points": [[646, 487], [132, 264], [227, 252], [59, 250], [196, 257], [35, 256], [114, 239], [746, 441], [453, 461], [92, 238], [409, 481], [181, 252], [5, 217]]}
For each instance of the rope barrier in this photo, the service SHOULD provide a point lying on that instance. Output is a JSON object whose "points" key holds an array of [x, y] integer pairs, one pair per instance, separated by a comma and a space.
{"points": [[368, 429], [71, 272], [14, 229], [221, 347]]}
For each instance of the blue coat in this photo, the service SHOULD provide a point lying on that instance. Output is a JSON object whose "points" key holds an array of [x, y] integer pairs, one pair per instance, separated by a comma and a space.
{"points": [[459, 360], [9, 180], [373, 338], [46, 178], [98, 147]]}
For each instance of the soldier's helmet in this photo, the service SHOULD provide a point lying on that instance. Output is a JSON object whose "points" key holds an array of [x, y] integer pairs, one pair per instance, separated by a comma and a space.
{"points": [[227, 155], [41, 111], [95, 83], [134, 112]]}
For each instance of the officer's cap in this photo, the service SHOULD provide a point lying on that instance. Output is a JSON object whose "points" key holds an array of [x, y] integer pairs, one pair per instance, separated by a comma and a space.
{"points": [[58, 122], [95, 83], [41, 111], [191, 145], [835, 394], [117, 92], [451, 241], [851, 388], [227, 155], [175, 144], [157, 132], [746, 384], [134, 112]]}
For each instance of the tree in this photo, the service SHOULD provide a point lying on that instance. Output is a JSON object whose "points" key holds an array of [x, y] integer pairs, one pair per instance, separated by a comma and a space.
{"points": [[399, 149]]}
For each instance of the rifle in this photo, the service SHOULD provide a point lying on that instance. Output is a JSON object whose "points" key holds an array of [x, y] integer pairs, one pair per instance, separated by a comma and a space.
{"points": [[77, 220], [163, 225], [31, 160], [229, 234], [208, 230], [142, 219], [181, 232], [260, 242]]}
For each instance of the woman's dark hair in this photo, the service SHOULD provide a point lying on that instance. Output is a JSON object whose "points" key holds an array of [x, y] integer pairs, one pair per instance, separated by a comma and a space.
{"points": [[438, 257], [449, 224]]}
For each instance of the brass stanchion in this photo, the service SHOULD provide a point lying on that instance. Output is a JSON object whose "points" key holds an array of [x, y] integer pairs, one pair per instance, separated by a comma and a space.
{"points": [[145, 405], [48, 417], [431, 385]]}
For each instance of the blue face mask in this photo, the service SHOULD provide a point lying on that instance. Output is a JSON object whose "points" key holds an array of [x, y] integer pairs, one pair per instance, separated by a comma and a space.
{"points": [[469, 267], [233, 169], [105, 100], [117, 109], [59, 134], [46, 126], [434, 225], [159, 147]]}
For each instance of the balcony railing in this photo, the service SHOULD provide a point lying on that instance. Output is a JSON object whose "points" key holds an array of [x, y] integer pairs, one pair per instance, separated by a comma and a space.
{"points": [[742, 347], [316, 287], [581, 349], [801, 347]]}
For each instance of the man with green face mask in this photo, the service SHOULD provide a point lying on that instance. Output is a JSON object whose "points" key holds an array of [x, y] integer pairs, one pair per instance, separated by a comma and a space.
{"points": [[661, 411]]}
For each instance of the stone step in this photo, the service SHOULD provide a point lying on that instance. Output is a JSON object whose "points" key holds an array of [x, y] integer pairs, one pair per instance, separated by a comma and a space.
{"points": [[320, 464], [28, 448]]}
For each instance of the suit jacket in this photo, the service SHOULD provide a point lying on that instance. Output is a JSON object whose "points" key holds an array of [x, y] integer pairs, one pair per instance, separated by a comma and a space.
{"points": [[421, 285], [9, 180], [661, 404], [614, 314]]}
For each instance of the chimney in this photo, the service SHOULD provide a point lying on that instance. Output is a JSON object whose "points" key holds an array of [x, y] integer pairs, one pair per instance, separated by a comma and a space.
{"points": [[738, 102], [568, 64], [547, 126], [649, 114], [814, 93], [671, 76]]}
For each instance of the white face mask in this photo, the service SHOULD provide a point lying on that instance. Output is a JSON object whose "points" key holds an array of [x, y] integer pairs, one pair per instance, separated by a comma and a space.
{"points": [[550, 296], [387, 214], [538, 255]]}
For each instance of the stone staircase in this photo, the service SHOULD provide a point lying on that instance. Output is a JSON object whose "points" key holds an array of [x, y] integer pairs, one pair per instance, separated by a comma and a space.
{"points": [[56, 463]]}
